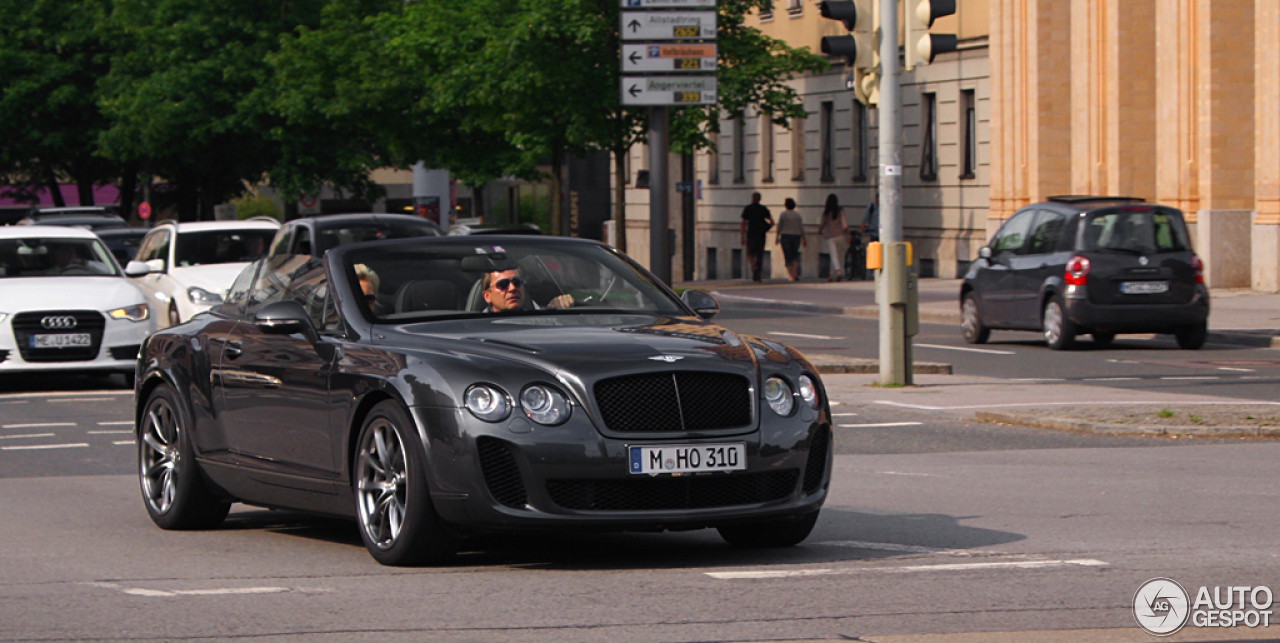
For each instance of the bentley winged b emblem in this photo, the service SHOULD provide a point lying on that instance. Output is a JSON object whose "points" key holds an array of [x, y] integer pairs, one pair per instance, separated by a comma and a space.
{"points": [[667, 358]]}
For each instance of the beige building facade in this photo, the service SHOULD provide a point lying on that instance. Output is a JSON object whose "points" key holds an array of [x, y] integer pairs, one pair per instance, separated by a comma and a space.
{"points": [[1175, 101], [834, 150]]}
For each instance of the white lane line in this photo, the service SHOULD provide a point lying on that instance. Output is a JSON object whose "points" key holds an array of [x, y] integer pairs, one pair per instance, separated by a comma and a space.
{"points": [[843, 415], [875, 426], [895, 547], [1039, 379], [120, 423], [109, 432], [908, 569], [988, 351], [29, 435], [36, 426], [1211, 377], [124, 442], [138, 591], [904, 473], [1238, 370], [924, 407], [800, 335], [13, 401], [81, 399], [45, 446], [1109, 379]]}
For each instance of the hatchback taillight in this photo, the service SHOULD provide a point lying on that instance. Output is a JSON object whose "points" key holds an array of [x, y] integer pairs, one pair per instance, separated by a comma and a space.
{"points": [[1197, 266], [1077, 270]]}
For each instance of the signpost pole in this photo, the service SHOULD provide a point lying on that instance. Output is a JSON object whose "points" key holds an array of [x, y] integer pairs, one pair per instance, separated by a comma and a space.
{"points": [[659, 253], [894, 281]]}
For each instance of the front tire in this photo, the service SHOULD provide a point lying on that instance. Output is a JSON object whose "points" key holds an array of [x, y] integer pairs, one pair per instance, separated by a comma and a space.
{"points": [[774, 533], [975, 332], [398, 523], [1059, 331], [1192, 337], [172, 488]]}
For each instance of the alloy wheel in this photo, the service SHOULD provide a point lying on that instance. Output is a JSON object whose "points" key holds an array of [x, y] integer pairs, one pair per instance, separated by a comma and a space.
{"points": [[383, 484], [161, 458], [1052, 323]]}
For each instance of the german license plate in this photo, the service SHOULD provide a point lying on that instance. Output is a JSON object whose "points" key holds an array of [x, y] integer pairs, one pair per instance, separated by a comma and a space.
{"points": [[1144, 287], [61, 340], [688, 458]]}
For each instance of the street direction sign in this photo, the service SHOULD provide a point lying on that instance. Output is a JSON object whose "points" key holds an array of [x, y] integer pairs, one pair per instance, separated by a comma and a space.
{"points": [[668, 4], [669, 90], [669, 58], [668, 25]]}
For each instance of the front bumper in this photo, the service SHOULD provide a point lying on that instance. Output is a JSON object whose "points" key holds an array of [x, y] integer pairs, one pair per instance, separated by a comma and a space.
{"points": [[523, 475], [116, 352], [1136, 318]]}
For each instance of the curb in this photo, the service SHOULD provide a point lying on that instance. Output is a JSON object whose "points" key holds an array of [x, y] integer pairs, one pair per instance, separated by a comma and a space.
{"points": [[1098, 428], [839, 365]]}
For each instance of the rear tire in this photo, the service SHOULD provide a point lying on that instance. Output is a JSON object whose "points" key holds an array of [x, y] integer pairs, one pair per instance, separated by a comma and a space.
{"points": [[1103, 339], [971, 326], [774, 533], [1059, 331], [173, 490], [1192, 337], [398, 523]]}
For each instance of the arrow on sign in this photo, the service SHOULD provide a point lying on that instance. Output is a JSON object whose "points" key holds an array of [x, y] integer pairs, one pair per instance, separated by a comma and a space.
{"points": [[635, 25], [635, 57], [634, 91]]}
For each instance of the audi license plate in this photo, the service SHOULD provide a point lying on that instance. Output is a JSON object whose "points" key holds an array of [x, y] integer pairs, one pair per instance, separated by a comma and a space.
{"points": [[1144, 287], [61, 340], [688, 458]]}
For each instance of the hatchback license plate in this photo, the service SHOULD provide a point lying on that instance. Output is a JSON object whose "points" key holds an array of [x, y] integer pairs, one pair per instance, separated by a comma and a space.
{"points": [[688, 458], [62, 340], [1144, 287]]}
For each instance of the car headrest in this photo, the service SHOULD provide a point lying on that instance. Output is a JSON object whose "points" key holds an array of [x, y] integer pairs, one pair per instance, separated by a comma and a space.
{"points": [[426, 294]]}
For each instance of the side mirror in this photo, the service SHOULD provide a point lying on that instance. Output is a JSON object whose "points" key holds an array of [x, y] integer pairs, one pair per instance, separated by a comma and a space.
{"points": [[705, 305], [137, 268], [155, 265], [984, 252], [284, 318]]}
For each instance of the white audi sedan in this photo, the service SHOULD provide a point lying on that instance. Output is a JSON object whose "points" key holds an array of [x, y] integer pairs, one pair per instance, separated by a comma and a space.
{"points": [[65, 304]]}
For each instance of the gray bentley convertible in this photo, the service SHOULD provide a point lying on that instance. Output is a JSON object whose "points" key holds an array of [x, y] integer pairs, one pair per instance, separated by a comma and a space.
{"points": [[436, 387]]}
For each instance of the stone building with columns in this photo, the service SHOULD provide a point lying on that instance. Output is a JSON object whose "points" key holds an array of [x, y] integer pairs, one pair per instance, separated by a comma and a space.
{"points": [[1175, 101]]}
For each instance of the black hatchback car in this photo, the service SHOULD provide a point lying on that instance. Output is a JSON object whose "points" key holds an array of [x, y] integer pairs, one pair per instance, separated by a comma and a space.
{"points": [[1085, 264]]}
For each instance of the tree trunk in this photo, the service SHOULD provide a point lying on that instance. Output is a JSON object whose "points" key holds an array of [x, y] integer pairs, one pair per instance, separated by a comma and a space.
{"points": [[85, 189], [619, 197], [128, 190], [55, 192], [557, 203], [477, 201], [188, 197]]}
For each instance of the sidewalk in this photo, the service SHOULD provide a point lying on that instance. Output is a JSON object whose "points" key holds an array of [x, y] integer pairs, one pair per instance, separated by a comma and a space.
{"points": [[1241, 317]]}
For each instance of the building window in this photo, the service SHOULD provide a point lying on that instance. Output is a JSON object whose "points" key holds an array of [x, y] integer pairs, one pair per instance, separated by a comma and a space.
{"points": [[766, 12], [795, 8], [735, 263], [859, 147], [739, 149], [797, 149], [713, 159], [766, 148], [828, 141], [969, 120], [712, 273], [929, 144]]}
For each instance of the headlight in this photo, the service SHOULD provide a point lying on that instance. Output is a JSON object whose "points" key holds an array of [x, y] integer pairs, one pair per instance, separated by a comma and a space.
{"points": [[779, 396], [201, 297], [488, 403], [136, 313], [808, 392], [544, 404]]}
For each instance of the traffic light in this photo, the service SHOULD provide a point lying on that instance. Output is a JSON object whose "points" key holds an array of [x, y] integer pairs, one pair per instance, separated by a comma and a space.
{"points": [[859, 17], [919, 45]]}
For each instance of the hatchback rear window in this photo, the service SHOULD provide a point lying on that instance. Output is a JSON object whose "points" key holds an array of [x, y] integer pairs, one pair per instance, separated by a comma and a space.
{"points": [[1140, 231]]}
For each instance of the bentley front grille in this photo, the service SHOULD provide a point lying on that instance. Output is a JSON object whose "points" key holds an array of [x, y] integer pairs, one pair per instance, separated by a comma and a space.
{"points": [[501, 474], [674, 401], [56, 322], [816, 466], [664, 494]]}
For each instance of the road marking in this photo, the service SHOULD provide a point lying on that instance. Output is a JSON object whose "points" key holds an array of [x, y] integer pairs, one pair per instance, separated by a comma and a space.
{"points": [[13, 402], [1039, 379], [924, 407], [123, 442], [842, 415], [904, 473], [989, 351], [120, 423], [1109, 379], [1238, 370], [45, 446], [108, 432], [36, 426], [801, 335], [908, 569], [874, 426], [1210, 377], [81, 399], [895, 547], [138, 591], [29, 435]]}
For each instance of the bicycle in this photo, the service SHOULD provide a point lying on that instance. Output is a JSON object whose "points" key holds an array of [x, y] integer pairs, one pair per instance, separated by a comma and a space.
{"points": [[855, 257]]}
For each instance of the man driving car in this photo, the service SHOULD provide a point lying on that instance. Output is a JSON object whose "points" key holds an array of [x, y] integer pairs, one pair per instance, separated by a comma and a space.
{"points": [[504, 292]]}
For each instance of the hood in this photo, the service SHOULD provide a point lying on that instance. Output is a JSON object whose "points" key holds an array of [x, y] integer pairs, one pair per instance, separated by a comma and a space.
{"points": [[22, 294], [588, 345], [215, 278]]}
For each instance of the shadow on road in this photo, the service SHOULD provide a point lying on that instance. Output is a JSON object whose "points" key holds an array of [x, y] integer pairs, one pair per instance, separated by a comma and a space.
{"points": [[56, 382]]}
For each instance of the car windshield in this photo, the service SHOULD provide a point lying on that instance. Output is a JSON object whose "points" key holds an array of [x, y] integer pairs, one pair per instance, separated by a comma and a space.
{"points": [[53, 257], [329, 238], [1141, 231], [220, 246], [408, 282]]}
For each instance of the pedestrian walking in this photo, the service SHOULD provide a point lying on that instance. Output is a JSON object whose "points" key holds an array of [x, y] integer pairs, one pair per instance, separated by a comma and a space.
{"points": [[756, 222], [791, 238], [832, 229]]}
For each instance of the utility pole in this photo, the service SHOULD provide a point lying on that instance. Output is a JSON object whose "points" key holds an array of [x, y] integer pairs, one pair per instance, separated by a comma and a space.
{"points": [[895, 346], [659, 251]]}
